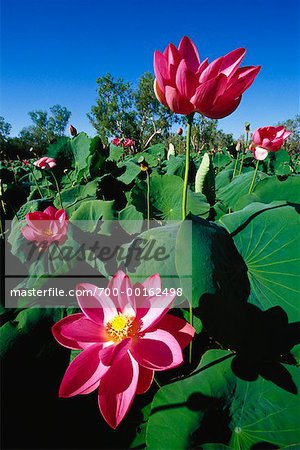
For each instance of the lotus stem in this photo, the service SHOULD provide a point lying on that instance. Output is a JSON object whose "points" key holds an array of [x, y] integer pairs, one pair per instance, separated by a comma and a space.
{"points": [[148, 199], [184, 197], [235, 166], [57, 188], [36, 183], [254, 177], [242, 162], [187, 163], [155, 380]]}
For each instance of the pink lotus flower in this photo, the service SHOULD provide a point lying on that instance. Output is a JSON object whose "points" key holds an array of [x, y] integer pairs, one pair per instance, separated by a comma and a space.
{"points": [[45, 163], [124, 338], [268, 139], [116, 141], [128, 142], [46, 227], [214, 89]]}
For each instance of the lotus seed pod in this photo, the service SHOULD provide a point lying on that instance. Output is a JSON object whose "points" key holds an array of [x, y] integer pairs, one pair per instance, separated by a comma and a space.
{"points": [[247, 126]]}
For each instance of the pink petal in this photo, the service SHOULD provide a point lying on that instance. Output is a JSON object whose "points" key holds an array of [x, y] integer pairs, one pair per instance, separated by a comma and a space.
{"points": [[84, 330], [121, 293], [28, 233], [186, 80], [242, 80], [61, 338], [152, 309], [207, 93], [113, 353], [160, 94], [211, 71], [231, 61], [91, 388], [117, 390], [153, 282], [50, 212], [160, 68], [98, 308], [182, 331], [202, 67], [256, 139], [83, 372], [173, 59], [176, 102], [286, 135], [189, 52], [260, 153], [222, 108], [145, 380], [157, 350]]}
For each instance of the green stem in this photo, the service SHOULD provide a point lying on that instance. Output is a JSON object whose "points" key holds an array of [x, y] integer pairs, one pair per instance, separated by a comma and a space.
{"points": [[191, 343], [244, 150], [184, 195], [187, 163], [35, 180], [254, 177], [235, 166], [242, 162], [45, 180], [148, 200], [155, 380], [57, 188]]}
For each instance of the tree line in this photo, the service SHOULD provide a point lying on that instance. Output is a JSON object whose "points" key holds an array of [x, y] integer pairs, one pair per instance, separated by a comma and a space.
{"points": [[124, 111]]}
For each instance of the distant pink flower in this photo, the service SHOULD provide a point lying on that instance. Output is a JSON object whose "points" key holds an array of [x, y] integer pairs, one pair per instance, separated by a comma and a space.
{"points": [[45, 163], [46, 227], [25, 162], [186, 85], [268, 139], [124, 338], [116, 141], [128, 142]]}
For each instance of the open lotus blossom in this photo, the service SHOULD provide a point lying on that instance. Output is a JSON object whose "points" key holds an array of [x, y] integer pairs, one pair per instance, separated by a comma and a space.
{"points": [[128, 142], [186, 85], [268, 139], [116, 141], [46, 227], [45, 163], [125, 338]]}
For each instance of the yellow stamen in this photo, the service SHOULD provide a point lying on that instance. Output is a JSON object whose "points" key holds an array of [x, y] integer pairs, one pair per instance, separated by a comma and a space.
{"points": [[120, 327], [118, 323]]}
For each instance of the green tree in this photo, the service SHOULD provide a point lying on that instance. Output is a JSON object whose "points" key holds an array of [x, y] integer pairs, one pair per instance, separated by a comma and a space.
{"points": [[5, 129], [292, 145], [46, 127], [126, 112], [207, 136]]}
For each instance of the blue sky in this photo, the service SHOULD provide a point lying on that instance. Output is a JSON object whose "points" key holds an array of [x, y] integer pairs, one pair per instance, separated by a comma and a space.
{"points": [[53, 51]]}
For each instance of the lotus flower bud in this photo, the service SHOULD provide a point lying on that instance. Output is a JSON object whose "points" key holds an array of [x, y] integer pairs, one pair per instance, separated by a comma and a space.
{"points": [[179, 131], [72, 130]]}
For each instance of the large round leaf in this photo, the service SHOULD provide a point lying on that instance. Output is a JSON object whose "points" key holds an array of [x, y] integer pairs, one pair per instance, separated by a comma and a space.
{"points": [[166, 198], [204, 251], [231, 193], [271, 189], [241, 413], [267, 237]]}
